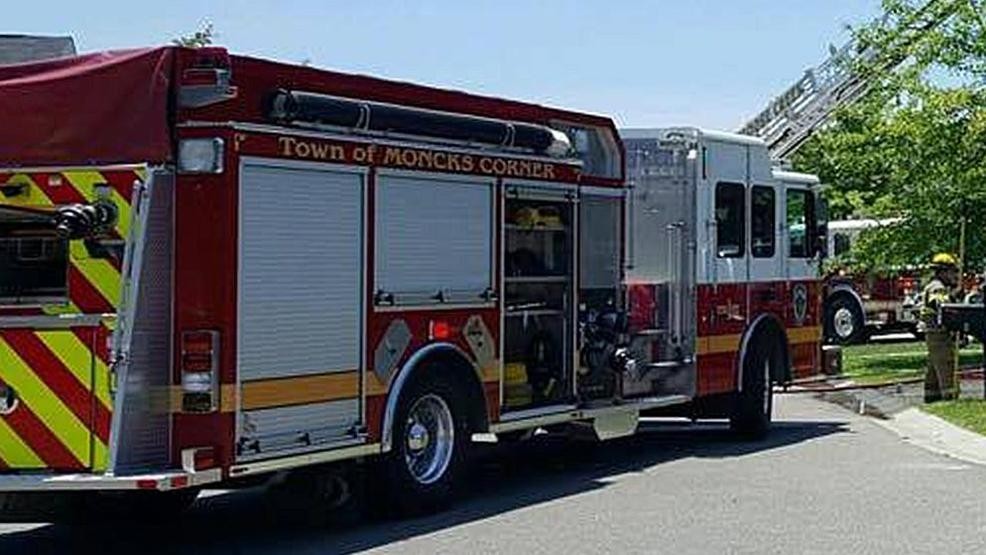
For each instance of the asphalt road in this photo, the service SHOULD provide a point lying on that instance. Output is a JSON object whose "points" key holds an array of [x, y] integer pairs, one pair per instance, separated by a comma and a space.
{"points": [[825, 481]]}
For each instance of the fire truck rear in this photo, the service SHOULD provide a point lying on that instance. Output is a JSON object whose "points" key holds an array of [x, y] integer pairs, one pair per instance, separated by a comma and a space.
{"points": [[217, 268]]}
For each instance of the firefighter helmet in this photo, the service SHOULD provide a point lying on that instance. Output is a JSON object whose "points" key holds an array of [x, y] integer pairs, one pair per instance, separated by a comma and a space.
{"points": [[944, 260]]}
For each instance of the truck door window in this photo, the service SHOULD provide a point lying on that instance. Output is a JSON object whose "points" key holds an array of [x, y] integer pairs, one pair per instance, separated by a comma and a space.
{"points": [[762, 222], [800, 219], [841, 244], [730, 220]]}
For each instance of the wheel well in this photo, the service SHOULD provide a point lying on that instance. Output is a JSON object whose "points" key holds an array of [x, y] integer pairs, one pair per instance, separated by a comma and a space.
{"points": [[463, 372], [460, 370], [844, 294], [767, 329]]}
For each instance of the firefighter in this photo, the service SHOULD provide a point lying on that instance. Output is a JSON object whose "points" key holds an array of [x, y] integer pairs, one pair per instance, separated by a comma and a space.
{"points": [[939, 380]]}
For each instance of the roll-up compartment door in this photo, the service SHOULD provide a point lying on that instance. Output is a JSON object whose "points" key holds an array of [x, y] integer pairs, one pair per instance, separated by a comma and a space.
{"points": [[433, 239], [300, 307]]}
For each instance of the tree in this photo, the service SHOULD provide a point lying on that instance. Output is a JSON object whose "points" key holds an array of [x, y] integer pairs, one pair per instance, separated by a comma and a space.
{"points": [[198, 39], [915, 146]]}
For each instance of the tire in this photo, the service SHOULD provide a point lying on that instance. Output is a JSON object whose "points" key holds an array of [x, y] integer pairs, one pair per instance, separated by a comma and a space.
{"points": [[754, 404], [421, 474], [844, 323]]}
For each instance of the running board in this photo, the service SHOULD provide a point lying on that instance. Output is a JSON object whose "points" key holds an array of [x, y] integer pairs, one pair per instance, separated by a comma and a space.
{"points": [[612, 414]]}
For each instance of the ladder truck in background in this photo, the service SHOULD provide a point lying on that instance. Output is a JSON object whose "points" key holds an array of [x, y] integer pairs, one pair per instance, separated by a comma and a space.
{"points": [[854, 305]]}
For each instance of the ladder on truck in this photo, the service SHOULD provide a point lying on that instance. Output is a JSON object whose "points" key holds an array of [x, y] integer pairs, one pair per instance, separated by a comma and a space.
{"points": [[844, 77]]}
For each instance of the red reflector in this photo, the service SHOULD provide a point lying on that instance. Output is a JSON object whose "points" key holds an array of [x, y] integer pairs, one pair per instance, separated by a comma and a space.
{"points": [[197, 342], [146, 484], [196, 363], [179, 482], [205, 458], [440, 329]]}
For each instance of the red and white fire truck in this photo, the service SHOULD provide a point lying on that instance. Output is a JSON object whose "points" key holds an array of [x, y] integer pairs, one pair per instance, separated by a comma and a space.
{"points": [[215, 268], [858, 303]]}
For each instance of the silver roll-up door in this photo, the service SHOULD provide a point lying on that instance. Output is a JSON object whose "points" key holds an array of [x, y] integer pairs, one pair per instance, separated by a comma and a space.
{"points": [[300, 306]]}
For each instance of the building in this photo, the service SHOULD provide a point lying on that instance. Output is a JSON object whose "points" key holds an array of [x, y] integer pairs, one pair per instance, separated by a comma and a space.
{"points": [[16, 49]]}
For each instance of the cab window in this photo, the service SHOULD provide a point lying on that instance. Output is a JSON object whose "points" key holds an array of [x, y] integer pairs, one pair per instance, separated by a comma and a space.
{"points": [[800, 220], [841, 244], [762, 222], [730, 220]]}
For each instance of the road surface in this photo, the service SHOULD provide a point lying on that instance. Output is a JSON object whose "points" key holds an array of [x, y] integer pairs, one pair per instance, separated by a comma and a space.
{"points": [[825, 481]]}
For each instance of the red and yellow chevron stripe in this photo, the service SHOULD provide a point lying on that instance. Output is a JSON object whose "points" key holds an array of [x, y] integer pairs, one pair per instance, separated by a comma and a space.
{"points": [[61, 375]]}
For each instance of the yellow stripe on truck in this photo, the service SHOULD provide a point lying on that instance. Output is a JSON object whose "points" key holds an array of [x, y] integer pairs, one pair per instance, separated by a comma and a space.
{"points": [[77, 358], [35, 197], [14, 452], [100, 273], [85, 181], [70, 431]]}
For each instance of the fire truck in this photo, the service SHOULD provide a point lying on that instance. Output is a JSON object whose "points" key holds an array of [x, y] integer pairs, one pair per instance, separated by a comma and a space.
{"points": [[218, 269], [859, 303]]}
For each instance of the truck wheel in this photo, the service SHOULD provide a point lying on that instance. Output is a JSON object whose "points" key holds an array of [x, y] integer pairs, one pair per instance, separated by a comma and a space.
{"points": [[844, 321], [755, 402], [429, 442]]}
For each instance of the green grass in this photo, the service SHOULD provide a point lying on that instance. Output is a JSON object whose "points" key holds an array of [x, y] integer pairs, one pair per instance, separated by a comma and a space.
{"points": [[889, 362], [968, 413]]}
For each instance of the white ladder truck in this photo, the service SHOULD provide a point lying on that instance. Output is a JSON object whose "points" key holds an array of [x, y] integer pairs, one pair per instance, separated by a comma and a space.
{"points": [[844, 77], [790, 119]]}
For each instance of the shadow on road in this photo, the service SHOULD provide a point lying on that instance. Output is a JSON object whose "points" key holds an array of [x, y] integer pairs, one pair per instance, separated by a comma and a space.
{"points": [[504, 479]]}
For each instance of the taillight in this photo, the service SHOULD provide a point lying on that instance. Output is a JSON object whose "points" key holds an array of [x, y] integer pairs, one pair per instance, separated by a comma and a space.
{"points": [[198, 458], [199, 370]]}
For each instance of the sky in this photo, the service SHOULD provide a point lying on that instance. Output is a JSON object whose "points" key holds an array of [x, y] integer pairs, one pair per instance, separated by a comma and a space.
{"points": [[708, 63]]}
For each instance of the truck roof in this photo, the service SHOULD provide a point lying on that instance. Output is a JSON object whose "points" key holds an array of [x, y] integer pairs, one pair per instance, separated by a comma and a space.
{"points": [[114, 107], [696, 133]]}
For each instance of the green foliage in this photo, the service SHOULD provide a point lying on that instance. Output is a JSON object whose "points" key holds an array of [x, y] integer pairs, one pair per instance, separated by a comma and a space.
{"points": [[198, 39], [915, 145], [892, 362], [968, 413]]}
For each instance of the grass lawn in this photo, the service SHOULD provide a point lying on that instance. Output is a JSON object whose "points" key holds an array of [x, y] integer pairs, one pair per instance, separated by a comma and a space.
{"points": [[968, 413], [880, 362]]}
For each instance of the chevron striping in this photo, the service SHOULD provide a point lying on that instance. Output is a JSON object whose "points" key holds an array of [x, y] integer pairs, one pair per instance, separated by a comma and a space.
{"points": [[71, 432], [14, 453]]}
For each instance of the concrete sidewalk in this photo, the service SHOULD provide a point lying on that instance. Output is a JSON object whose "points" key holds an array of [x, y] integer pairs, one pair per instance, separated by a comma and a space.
{"points": [[928, 431], [897, 408]]}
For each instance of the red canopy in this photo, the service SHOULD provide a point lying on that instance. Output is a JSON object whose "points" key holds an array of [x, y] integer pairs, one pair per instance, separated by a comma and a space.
{"points": [[103, 108]]}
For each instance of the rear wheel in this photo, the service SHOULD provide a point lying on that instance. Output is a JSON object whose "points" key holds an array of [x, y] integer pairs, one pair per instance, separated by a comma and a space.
{"points": [[754, 404], [429, 441]]}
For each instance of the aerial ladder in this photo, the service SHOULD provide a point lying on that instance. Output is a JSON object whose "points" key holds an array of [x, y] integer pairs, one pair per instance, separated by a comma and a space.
{"points": [[849, 72]]}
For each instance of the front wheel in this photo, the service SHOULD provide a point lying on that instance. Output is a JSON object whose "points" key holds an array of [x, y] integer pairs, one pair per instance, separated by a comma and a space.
{"points": [[753, 407], [429, 440], [844, 321]]}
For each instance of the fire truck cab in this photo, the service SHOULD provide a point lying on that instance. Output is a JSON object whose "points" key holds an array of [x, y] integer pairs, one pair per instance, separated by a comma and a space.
{"points": [[216, 268], [722, 266]]}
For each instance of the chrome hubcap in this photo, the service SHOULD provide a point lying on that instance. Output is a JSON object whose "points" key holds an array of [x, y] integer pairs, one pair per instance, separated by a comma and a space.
{"points": [[417, 437], [429, 436], [843, 322]]}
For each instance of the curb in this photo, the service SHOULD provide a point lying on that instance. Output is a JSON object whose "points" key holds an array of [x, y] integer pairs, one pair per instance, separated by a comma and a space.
{"points": [[929, 432], [912, 424]]}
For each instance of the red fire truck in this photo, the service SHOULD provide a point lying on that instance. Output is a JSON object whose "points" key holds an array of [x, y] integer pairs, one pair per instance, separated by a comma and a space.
{"points": [[215, 268], [859, 303]]}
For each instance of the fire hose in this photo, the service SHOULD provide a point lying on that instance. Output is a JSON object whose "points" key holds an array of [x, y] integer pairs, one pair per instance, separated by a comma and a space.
{"points": [[78, 221], [804, 386]]}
